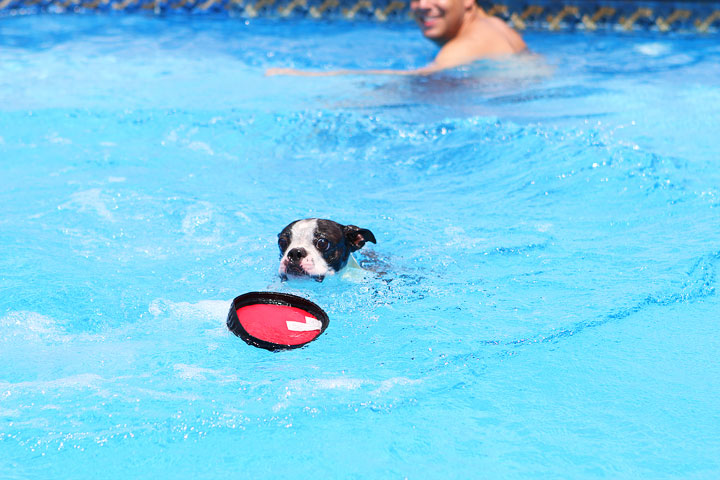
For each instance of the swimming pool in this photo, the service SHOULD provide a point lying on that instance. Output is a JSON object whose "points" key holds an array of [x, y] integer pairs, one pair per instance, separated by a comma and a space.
{"points": [[551, 228]]}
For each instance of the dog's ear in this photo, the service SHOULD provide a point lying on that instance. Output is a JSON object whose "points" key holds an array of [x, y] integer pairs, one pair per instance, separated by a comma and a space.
{"points": [[356, 237]]}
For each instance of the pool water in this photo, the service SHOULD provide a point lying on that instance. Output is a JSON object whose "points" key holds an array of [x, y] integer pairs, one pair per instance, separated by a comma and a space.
{"points": [[549, 230]]}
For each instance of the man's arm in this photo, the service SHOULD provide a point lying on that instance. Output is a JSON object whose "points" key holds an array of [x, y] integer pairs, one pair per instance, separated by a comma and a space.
{"points": [[453, 54], [432, 68]]}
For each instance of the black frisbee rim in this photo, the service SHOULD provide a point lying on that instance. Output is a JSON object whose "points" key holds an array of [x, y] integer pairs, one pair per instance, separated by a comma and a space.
{"points": [[272, 298]]}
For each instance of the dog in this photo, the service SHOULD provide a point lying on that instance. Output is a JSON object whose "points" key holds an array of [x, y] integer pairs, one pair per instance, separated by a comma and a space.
{"points": [[316, 247]]}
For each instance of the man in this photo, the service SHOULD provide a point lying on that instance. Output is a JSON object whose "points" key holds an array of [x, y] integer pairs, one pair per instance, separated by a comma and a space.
{"points": [[462, 30]]}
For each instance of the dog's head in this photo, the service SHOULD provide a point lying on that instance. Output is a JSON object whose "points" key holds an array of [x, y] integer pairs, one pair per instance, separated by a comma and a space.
{"points": [[315, 247]]}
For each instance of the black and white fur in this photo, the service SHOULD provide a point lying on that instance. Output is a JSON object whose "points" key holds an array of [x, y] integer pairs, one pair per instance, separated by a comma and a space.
{"points": [[316, 248]]}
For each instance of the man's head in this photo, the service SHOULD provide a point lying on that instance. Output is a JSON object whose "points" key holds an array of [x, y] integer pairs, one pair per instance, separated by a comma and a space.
{"points": [[316, 247], [441, 20]]}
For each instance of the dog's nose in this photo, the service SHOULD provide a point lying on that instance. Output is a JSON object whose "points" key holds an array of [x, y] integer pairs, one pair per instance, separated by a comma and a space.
{"points": [[296, 254]]}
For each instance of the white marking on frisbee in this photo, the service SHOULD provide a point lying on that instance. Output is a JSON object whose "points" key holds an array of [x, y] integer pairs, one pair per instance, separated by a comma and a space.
{"points": [[309, 325]]}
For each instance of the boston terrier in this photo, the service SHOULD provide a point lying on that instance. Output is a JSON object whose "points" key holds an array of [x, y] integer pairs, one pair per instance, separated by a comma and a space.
{"points": [[315, 247]]}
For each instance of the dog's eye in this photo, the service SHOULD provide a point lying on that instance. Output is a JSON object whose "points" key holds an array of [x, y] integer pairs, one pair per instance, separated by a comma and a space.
{"points": [[282, 243], [322, 245]]}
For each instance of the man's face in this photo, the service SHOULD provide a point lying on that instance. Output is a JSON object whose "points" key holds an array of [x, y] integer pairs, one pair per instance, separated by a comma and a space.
{"points": [[439, 20]]}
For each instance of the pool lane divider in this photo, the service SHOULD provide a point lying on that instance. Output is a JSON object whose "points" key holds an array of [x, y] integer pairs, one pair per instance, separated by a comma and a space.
{"points": [[276, 321]]}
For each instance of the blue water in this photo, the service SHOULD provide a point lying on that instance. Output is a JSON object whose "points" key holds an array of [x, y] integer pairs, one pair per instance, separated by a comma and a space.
{"points": [[550, 229]]}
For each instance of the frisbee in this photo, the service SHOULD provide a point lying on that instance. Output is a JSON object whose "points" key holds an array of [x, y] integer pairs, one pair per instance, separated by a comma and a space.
{"points": [[276, 321]]}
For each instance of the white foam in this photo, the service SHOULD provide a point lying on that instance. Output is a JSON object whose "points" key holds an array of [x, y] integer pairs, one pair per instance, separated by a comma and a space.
{"points": [[243, 216], [205, 309], [338, 383], [543, 227], [201, 147], [182, 135], [344, 383], [57, 139], [306, 388], [171, 137], [31, 327], [82, 380], [25, 327], [203, 223], [89, 200], [653, 49], [28, 321], [193, 372], [456, 236], [390, 383], [196, 216]]}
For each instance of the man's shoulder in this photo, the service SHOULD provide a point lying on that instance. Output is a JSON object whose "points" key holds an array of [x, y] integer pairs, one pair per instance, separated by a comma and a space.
{"points": [[458, 52], [487, 37], [497, 36]]}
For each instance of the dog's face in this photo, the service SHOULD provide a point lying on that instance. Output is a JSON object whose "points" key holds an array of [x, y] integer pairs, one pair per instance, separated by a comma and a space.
{"points": [[316, 247]]}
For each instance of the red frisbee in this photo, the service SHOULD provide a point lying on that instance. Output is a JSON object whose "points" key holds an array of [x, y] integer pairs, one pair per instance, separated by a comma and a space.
{"points": [[276, 321]]}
